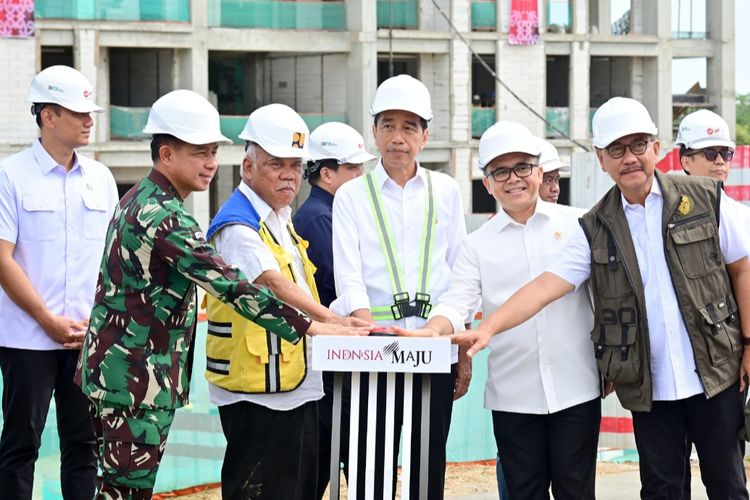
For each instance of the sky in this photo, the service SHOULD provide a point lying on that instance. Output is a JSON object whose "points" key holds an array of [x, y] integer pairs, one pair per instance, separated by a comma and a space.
{"points": [[685, 72]]}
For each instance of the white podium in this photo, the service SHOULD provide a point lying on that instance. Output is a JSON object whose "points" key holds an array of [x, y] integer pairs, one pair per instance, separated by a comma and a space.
{"points": [[366, 357]]}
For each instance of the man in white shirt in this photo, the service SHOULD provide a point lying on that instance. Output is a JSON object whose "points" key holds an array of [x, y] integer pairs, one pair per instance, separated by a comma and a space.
{"points": [[55, 207], [421, 221], [265, 389], [542, 384], [669, 274]]}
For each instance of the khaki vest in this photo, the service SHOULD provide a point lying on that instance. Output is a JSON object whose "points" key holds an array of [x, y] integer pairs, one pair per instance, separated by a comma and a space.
{"points": [[701, 284], [243, 357]]}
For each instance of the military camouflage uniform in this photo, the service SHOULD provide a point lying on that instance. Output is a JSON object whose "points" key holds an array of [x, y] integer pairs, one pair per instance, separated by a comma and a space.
{"points": [[135, 359]]}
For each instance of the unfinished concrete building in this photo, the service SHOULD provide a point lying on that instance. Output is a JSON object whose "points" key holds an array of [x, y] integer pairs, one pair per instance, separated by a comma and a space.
{"points": [[325, 59]]}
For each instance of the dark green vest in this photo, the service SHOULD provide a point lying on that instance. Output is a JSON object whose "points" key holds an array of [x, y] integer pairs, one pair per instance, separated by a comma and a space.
{"points": [[700, 280]]}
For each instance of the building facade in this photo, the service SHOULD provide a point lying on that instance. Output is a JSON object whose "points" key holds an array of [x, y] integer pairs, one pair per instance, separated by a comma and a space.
{"points": [[325, 59]]}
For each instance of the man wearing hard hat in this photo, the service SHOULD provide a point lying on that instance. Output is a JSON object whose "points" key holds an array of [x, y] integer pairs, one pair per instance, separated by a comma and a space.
{"points": [[55, 205], [135, 362], [266, 392], [705, 146], [416, 217], [337, 153], [542, 384], [666, 258], [552, 166]]}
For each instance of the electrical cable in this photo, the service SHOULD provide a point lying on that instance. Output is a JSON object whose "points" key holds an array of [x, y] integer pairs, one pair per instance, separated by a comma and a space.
{"points": [[502, 83]]}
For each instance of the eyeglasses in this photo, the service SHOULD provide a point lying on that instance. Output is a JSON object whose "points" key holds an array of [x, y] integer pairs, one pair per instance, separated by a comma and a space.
{"points": [[617, 150], [711, 154], [520, 169]]}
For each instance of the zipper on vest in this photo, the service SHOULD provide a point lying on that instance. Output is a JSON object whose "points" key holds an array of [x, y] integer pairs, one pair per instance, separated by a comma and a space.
{"points": [[686, 220]]}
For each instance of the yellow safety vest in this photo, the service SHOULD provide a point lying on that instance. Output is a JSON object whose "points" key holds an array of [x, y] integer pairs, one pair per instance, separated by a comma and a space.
{"points": [[243, 357]]}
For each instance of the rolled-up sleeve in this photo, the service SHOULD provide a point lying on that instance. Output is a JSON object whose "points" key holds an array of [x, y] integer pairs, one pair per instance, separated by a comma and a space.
{"points": [[462, 299]]}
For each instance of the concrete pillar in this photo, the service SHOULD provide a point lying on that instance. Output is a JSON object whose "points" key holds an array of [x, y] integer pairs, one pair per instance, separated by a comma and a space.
{"points": [[460, 75], [580, 17], [601, 16], [86, 60], [580, 89], [362, 66], [18, 58], [720, 79], [429, 17], [523, 68]]}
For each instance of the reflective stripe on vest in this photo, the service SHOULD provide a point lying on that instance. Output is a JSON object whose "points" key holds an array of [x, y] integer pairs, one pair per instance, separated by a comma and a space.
{"points": [[243, 357], [402, 306]]}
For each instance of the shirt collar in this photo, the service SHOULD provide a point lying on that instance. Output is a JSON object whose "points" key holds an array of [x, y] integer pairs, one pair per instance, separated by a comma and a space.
{"points": [[161, 180], [382, 178], [46, 162], [322, 195], [543, 209], [655, 190], [263, 208]]}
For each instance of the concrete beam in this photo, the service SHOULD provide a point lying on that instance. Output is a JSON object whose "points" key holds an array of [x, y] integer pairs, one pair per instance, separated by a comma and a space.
{"points": [[292, 41]]}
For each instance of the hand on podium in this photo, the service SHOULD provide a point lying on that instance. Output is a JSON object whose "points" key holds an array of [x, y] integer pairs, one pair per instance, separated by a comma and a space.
{"points": [[318, 328], [422, 332]]}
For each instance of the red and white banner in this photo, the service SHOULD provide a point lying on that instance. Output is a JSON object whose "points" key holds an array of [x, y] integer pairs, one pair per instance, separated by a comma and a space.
{"points": [[738, 184], [524, 22], [16, 18]]}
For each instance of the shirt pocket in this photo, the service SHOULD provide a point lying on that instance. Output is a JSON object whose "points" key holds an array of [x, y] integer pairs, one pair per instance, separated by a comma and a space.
{"points": [[42, 220], [95, 216]]}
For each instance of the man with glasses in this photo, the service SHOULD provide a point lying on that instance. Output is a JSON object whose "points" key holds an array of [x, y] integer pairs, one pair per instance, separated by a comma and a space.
{"points": [[666, 259], [551, 165], [542, 384]]}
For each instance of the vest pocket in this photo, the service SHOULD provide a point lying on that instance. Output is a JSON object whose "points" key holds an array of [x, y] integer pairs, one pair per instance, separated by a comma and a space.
{"points": [[698, 249], [612, 280], [614, 337], [721, 329]]}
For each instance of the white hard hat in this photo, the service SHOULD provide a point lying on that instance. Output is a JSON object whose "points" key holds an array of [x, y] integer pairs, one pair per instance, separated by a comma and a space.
{"points": [[619, 117], [64, 86], [549, 159], [338, 141], [704, 129], [506, 137], [279, 130], [186, 115], [405, 93]]}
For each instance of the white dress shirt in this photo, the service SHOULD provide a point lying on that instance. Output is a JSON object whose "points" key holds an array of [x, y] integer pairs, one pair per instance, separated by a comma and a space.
{"points": [[673, 370], [360, 272], [57, 221], [242, 247], [546, 364]]}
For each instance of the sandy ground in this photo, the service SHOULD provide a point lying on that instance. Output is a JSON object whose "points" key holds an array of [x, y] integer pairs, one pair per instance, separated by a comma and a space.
{"points": [[461, 479]]}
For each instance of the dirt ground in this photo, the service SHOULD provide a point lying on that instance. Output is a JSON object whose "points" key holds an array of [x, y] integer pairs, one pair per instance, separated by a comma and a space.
{"points": [[461, 479]]}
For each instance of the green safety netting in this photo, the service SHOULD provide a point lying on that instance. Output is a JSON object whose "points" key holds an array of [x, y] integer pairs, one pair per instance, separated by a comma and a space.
{"points": [[273, 14], [195, 448], [231, 126], [481, 120], [397, 13], [114, 10], [483, 14], [560, 118], [127, 123]]}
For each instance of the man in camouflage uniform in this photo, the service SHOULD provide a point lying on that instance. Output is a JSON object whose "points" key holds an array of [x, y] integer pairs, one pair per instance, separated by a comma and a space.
{"points": [[136, 358]]}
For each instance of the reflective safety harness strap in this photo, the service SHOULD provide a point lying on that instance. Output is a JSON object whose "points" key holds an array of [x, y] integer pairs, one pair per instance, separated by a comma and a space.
{"points": [[402, 307]]}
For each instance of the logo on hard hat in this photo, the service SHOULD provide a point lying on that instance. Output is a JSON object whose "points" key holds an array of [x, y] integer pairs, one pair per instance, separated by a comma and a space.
{"points": [[712, 131], [55, 88], [298, 140], [86, 93]]}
